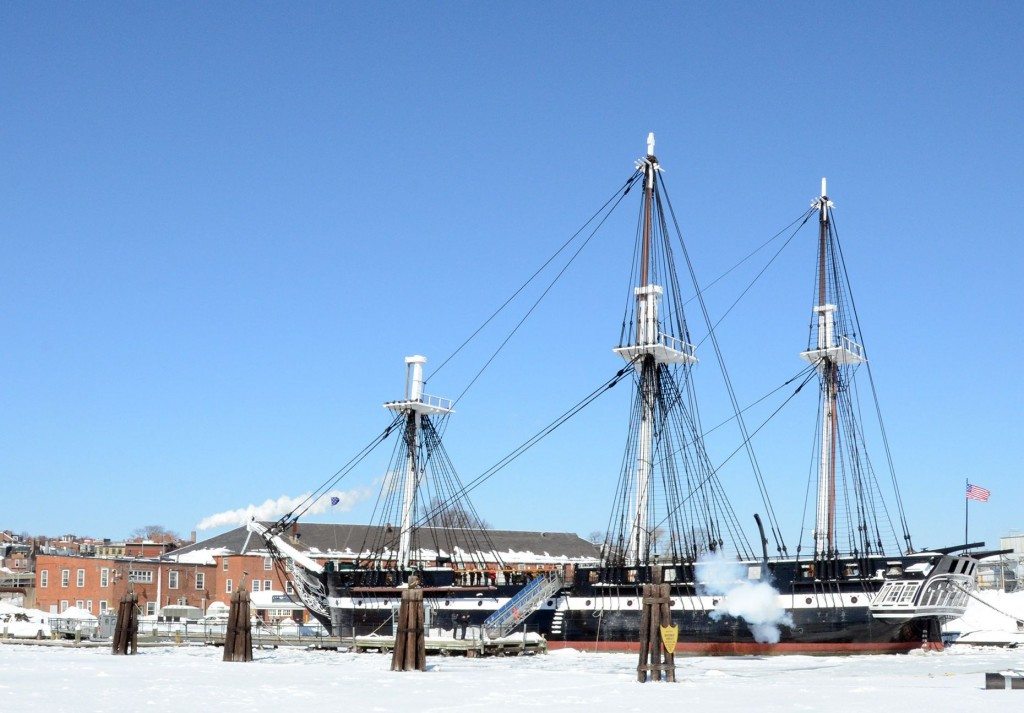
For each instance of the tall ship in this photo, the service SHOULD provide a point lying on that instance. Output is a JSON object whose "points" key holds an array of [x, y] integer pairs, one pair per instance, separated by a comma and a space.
{"points": [[853, 583]]}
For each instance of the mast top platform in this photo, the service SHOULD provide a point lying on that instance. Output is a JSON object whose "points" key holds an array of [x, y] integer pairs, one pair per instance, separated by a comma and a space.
{"points": [[415, 400]]}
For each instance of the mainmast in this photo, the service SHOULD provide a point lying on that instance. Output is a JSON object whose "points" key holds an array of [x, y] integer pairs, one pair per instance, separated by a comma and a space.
{"points": [[651, 349], [414, 407], [832, 351]]}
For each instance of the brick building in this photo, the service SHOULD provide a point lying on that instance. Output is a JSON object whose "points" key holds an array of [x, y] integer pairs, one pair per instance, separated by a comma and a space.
{"points": [[202, 573], [97, 584]]}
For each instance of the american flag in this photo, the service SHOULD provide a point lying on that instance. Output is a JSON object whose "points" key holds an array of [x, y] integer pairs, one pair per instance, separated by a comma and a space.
{"points": [[976, 492]]}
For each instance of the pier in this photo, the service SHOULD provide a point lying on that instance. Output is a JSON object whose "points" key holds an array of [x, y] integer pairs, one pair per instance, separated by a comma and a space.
{"points": [[270, 638]]}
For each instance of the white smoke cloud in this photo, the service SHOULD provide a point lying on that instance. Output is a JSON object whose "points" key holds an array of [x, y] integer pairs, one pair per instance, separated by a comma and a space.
{"points": [[272, 509], [754, 601]]}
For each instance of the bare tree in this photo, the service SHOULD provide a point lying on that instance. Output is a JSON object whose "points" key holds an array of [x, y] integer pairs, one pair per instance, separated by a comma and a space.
{"points": [[455, 515], [155, 533]]}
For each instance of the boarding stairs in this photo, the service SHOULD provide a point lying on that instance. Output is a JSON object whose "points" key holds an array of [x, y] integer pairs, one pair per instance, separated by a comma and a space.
{"points": [[526, 601]]}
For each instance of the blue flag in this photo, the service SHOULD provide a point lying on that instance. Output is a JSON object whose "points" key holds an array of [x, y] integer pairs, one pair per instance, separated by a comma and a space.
{"points": [[335, 500]]}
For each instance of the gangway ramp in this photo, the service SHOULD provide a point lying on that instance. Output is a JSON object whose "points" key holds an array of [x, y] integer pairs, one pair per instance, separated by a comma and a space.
{"points": [[526, 601]]}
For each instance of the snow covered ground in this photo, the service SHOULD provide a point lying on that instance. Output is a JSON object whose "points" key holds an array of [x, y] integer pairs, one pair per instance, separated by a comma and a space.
{"points": [[194, 678], [991, 617]]}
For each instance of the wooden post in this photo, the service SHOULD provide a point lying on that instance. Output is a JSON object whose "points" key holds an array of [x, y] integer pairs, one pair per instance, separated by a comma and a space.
{"points": [[645, 634], [238, 637], [229, 630], [664, 594], [656, 612], [410, 653], [126, 630]]}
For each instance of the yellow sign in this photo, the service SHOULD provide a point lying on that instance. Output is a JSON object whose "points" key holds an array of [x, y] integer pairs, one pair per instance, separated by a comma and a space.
{"points": [[669, 637]]}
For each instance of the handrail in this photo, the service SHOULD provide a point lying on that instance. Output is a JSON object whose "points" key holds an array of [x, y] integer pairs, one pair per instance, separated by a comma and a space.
{"points": [[437, 401]]}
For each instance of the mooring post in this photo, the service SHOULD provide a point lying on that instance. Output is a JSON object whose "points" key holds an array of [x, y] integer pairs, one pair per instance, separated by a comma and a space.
{"points": [[655, 636], [410, 652], [669, 668], [126, 630], [645, 633], [238, 637], [656, 631]]}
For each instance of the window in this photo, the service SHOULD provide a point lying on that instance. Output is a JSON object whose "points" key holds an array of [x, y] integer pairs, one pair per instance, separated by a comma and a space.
{"points": [[142, 576], [103, 606], [79, 604], [225, 561], [88, 605], [105, 577], [44, 578], [80, 578], [227, 587], [255, 585], [267, 585], [63, 605], [183, 601], [172, 579], [288, 589], [65, 577], [200, 580], [150, 608], [268, 563]]}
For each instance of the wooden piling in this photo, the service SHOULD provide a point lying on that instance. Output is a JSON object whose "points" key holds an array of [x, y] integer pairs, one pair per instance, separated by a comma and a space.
{"points": [[656, 614], [126, 630], [410, 652], [238, 637]]}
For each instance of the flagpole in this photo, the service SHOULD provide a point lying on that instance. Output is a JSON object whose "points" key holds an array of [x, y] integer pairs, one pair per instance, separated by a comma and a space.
{"points": [[967, 501]]}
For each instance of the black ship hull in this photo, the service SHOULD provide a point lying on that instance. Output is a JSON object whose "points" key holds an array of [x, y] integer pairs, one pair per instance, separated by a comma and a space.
{"points": [[825, 608]]}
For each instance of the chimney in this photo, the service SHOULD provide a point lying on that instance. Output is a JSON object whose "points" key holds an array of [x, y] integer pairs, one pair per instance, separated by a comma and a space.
{"points": [[192, 537]]}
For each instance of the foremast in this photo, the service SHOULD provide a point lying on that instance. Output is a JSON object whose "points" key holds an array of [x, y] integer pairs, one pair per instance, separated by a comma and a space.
{"points": [[832, 351], [651, 348], [414, 407]]}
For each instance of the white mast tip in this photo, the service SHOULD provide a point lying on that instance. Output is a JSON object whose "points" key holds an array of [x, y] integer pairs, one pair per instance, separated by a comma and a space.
{"points": [[824, 192], [650, 144]]}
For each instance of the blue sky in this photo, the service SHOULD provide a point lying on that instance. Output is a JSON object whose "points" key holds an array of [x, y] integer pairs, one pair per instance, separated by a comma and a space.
{"points": [[224, 226]]}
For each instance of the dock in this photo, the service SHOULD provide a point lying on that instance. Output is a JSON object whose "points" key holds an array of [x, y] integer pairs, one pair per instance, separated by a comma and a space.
{"points": [[263, 639]]}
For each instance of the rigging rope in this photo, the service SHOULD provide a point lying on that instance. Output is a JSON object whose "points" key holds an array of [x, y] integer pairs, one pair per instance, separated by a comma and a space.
{"points": [[874, 395], [745, 443], [314, 496], [994, 608], [619, 193], [806, 217], [770, 511], [545, 292], [528, 443]]}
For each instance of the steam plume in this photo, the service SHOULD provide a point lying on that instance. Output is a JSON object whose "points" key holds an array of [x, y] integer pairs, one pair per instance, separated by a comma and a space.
{"points": [[756, 602], [272, 509]]}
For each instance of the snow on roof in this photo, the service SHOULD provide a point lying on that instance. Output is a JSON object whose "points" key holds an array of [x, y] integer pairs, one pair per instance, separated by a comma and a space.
{"points": [[265, 600], [201, 556], [345, 541]]}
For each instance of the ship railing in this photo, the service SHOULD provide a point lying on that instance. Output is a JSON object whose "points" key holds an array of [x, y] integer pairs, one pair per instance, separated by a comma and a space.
{"points": [[676, 344], [851, 346], [437, 402]]}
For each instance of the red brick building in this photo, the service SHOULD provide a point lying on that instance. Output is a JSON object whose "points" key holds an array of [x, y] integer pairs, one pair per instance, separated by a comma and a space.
{"points": [[97, 584]]}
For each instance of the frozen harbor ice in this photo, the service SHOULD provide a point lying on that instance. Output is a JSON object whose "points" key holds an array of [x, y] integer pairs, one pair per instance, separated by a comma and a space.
{"points": [[174, 679]]}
